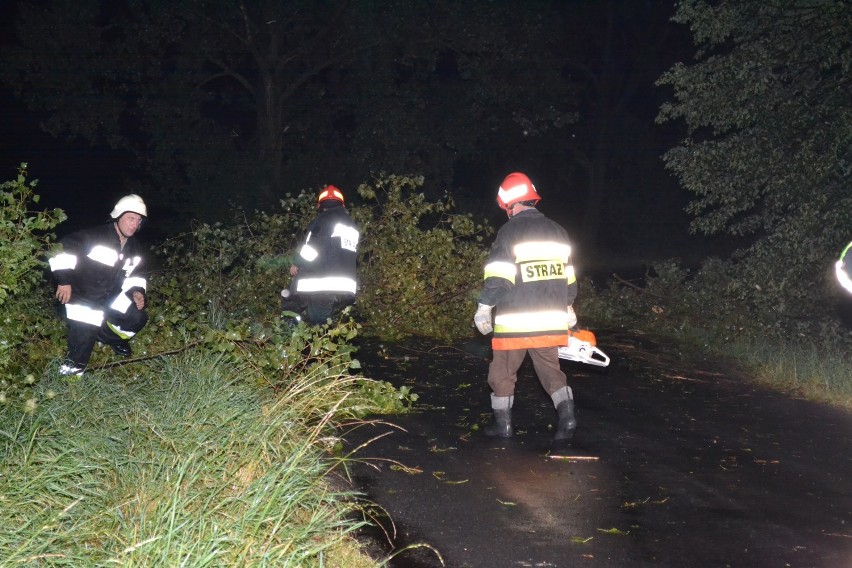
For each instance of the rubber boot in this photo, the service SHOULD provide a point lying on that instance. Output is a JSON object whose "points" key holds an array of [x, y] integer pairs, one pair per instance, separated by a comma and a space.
{"points": [[567, 421], [502, 424]]}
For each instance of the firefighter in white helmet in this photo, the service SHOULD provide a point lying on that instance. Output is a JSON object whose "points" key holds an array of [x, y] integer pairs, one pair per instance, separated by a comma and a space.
{"points": [[101, 282], [324, 268], [530, 281]]}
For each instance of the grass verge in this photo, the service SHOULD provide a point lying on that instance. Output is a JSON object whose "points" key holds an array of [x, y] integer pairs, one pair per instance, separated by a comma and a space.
{"points": [[820, 373], [185, 465]]}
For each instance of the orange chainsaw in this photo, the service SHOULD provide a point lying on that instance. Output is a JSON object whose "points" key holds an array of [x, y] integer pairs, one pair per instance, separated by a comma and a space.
{"points": [[582, 347]]}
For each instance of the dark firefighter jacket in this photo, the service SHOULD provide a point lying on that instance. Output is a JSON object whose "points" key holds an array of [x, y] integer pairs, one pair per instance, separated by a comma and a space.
{"points": [[327, 259], [530, 279], [100, 273]]}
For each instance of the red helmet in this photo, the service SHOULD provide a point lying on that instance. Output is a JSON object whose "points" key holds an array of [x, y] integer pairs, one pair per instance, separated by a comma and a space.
{"points": [[516, 188], [330, 192]]}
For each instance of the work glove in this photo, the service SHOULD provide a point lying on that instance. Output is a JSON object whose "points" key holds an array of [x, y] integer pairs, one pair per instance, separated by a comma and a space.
{"points": [[572, 317], [482, 319]]}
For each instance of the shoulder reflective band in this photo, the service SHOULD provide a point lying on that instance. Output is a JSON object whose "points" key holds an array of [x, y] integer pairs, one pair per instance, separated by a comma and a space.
{"points": [[348, 236], [570, 276], [501, 269], [104, 255], [63, 261], [309, 253], [84, 314]]}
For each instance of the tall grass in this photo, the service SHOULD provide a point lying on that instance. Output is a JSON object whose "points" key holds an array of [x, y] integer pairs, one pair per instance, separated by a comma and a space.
{"points": [[814, 362], [818, 372], [187, 466]]}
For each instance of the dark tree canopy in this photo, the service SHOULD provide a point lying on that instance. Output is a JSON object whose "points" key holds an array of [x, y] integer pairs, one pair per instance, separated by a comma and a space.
{"points": [[200, 91], [620, 49], [224, 102], [768, 155]]}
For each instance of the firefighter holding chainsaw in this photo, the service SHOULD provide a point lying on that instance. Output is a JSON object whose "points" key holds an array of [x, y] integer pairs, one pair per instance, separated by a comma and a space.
{"points": [[324, 269], [530, 281], [100, 281]]}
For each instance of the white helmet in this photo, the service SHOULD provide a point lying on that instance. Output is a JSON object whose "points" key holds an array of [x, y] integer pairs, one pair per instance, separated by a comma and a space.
{"points": [[129, 204]]}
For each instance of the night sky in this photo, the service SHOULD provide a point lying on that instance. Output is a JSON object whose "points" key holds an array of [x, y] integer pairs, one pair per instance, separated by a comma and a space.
{"points": [[644, 222], [65, 170]]}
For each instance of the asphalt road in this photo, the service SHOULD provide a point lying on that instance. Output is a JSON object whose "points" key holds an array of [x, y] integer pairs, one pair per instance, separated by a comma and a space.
{"points": [[673, 464]]}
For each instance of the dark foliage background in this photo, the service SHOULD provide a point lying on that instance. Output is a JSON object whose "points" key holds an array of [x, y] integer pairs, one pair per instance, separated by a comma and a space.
{"points": [[655, 130], [204, 105]]}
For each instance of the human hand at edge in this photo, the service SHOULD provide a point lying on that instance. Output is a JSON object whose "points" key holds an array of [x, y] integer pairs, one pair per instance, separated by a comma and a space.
{"points": [[294, 270], [63, 293], [572, 317], [482, 319], [139, 299]]}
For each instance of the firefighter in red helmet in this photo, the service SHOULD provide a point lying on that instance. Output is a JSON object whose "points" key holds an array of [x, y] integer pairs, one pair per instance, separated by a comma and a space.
{"points": [[324, 268], [531, 286], [101, 282]]}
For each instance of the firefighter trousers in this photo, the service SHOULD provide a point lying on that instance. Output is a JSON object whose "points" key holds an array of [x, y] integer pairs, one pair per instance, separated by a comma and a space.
{"points": [[316, 307], [83, 336], [503, 370]]}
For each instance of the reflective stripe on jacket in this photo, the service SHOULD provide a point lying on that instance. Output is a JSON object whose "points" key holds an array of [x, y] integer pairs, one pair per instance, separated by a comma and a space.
{"points": [[530, 279]]}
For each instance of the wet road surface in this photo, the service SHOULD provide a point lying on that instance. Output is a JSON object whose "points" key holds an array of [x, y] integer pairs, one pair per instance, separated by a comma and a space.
{"points": [[672, 464]]}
